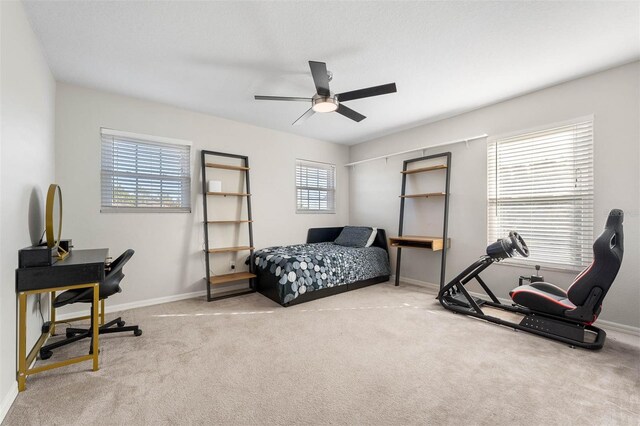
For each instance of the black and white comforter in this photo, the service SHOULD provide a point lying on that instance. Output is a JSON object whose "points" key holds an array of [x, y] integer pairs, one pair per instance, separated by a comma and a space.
{"points": [[309, 267]]}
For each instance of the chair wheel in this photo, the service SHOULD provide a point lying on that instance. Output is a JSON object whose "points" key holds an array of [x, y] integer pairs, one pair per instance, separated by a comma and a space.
{"points": [[45, 354], [120, 323], [138, 332]]}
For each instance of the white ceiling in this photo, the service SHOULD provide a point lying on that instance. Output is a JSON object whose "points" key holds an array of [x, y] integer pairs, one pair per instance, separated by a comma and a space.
{"points": [[446, 57]]}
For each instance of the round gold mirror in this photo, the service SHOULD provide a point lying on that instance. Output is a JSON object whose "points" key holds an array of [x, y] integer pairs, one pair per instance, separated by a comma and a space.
{"points": [[54, 218]]}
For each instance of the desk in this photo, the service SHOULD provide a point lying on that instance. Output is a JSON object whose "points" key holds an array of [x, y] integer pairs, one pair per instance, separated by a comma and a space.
{"points": [[81, 269], [415, 241]]}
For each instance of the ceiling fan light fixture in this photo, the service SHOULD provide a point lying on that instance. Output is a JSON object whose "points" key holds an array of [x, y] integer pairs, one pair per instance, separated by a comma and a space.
{"points": [[324, 104], [324, 100]]}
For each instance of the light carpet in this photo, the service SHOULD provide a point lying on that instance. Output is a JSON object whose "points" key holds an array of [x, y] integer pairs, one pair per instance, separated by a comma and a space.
{"points": [[378, 355]]}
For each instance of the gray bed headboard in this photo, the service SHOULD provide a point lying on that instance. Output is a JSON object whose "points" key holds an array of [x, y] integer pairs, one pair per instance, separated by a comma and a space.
{"points": [[321, 235]]}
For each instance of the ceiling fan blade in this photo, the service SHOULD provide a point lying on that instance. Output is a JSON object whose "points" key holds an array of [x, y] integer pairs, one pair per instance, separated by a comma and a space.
{"points": [[349, 113], [320, 77], [368, 92], [303, 117], [281, 98]]}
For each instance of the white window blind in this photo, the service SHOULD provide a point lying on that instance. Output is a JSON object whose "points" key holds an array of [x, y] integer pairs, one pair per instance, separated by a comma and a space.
{"points": [[540, 184], [144, 173], [315, 187]]}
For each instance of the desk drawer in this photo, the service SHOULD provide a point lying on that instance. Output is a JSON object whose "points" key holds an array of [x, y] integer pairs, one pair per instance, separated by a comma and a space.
{"points": [[40, 278]]}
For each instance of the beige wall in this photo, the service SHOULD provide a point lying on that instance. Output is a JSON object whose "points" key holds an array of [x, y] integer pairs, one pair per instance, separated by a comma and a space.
{"points": [[26, 170], [612, 97], [169, 260]]}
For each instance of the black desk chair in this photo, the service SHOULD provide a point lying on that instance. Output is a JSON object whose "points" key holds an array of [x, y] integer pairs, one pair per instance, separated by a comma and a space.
{"points": [[109, 287]]}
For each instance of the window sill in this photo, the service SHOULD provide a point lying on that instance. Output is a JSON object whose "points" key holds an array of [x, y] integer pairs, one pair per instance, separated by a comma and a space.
{"points": [[142, 210]]}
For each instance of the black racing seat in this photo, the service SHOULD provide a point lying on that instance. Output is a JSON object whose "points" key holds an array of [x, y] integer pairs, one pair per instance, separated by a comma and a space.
{"points": [[582, 302]]}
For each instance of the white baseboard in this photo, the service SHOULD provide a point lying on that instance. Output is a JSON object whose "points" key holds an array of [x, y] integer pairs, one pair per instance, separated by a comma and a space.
{"points": [[137, 304], [431, 286], [607, 325], [622, 328], [8, 399]]}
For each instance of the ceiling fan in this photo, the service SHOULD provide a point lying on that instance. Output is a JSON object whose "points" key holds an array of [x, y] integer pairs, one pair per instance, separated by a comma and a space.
{"points": [[325, 100]]}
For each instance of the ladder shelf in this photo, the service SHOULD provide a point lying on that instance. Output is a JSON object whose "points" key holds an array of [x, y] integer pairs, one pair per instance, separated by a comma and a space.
{"points": [[418, 241], [212, 279]]}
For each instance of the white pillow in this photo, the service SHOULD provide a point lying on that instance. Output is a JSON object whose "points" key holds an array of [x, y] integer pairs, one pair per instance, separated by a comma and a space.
{"points": [[372, 238]]}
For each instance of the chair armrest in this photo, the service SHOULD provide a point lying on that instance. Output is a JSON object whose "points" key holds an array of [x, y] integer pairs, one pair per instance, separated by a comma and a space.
{"points": [[549, 288]]}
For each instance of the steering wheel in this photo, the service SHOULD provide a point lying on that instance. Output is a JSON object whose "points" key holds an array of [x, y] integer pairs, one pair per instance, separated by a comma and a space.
{"points": [[519, 244]]}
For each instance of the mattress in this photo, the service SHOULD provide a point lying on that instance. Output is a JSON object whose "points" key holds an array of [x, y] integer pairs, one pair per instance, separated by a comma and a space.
{"points": [[305, 268]]}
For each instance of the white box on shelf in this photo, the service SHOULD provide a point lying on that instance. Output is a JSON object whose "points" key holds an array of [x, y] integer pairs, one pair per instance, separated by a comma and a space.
{"points": [[215, 186]]}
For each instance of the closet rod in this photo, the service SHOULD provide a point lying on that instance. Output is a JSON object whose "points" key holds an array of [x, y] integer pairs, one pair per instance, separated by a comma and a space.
{"points": [[417, 149]]}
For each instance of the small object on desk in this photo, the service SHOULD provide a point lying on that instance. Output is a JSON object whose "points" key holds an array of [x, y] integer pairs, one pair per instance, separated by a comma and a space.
{"points": [[33, 256], [53, 228], [66, 245]]}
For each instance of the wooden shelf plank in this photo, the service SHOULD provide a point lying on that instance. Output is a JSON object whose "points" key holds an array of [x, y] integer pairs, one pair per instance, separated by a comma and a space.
{"points": [[424, 169], [226, 166], [229, 278], [416, 241], [236, 194], [229, 221], [425, 195], [225, 293], [230, 249]]}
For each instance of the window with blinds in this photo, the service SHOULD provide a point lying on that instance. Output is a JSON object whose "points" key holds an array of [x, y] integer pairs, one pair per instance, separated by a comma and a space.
{"points": [[315, 187], [540, 184], [144, 173]]}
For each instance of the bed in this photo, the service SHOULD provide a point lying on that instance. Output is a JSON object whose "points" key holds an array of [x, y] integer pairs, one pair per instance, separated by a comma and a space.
{"points": [[299, 273]]}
